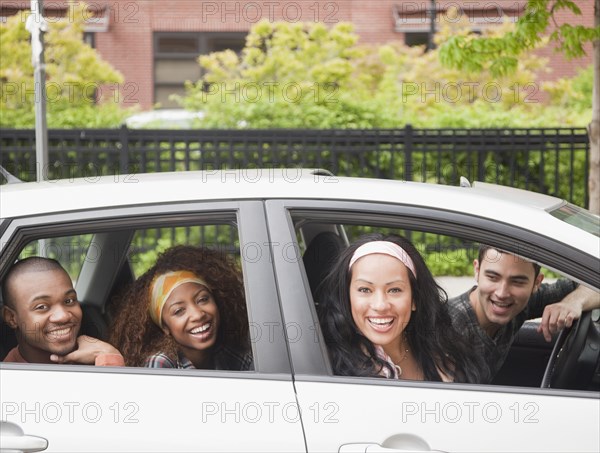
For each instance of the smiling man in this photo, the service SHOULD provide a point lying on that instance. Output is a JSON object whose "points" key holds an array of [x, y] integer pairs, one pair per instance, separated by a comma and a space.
{"points": [[509, 291], [41, 305]]}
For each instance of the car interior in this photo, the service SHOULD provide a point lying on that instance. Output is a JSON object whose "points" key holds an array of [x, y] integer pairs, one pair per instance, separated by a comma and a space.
{"points": [[567, 362], [532, 361]]}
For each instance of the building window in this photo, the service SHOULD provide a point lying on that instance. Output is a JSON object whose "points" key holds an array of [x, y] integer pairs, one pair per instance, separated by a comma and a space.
{"points": [[417, 38], [176, 59], [90, 39], [413, 19]]}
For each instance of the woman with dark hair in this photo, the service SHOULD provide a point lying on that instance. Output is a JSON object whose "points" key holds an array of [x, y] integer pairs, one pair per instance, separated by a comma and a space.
{"points": [[186, 311], [383, 315]]}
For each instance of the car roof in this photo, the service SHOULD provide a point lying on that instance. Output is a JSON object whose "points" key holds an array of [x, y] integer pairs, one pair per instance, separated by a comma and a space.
{"points": [[136, 189], [526, 209]]}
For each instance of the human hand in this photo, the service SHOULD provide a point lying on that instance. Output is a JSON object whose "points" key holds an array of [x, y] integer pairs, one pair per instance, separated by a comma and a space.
{"points": [[558, 316], [88, 348], [562, 314]]}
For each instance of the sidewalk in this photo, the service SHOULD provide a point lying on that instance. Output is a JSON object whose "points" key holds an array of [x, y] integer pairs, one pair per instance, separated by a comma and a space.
{"points": [[455, 286]]}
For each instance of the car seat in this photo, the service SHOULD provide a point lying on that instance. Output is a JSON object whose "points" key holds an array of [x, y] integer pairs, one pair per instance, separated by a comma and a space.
{"points": [[319, 258], [93, 323], [8, 339]]}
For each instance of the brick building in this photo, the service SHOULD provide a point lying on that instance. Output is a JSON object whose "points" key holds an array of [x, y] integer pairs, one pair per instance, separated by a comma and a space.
{"points": [[155, 43]]}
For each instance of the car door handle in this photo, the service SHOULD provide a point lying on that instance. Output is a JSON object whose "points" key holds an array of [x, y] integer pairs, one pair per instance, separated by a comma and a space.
{"points": [[376, 448], [13, 439]]}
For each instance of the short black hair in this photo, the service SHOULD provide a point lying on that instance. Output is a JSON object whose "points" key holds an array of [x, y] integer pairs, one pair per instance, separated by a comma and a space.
{"points": [[483, 248], [30, 264]]}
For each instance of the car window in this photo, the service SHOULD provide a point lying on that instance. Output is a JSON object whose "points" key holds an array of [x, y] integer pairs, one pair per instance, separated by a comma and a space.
{"points": [[104, 265], [450, 259], [579, 217]]}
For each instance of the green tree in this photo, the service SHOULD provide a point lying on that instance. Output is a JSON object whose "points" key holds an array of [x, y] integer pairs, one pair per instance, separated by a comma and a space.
{"points": [[306, 75], [75, 75], [574, 94], [429, 94], [500, 56], [292, 75]]}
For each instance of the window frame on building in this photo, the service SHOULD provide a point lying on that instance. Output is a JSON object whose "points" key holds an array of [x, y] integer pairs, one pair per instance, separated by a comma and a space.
{"points": [[204, 43]]}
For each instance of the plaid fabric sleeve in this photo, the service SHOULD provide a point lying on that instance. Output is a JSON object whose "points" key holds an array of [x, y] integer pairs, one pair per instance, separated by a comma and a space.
{"points": [[159, 361], [229, 359], [247, 362], [549, 293]]}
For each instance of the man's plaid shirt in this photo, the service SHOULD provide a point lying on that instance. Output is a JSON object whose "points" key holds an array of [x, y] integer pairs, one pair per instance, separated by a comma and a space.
{"points": [[493, 350]]}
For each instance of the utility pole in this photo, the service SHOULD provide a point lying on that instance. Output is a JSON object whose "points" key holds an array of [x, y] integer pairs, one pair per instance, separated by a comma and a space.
{"points": [[37, 25], [432, 18]]}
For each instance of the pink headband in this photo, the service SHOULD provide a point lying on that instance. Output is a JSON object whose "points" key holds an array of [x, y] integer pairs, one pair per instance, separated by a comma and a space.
{"points": [[385, 248]]}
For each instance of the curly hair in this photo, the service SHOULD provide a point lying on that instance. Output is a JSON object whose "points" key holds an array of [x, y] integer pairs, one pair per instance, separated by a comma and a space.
{"points": [[436, 345], [138, 337]]}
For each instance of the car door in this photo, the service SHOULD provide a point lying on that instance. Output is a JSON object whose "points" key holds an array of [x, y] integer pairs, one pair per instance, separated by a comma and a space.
{"points": [[79, 408], [349, 414]]}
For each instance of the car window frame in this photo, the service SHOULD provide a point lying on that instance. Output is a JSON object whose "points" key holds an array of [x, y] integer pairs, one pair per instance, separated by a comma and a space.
{"points": [[310, 357], [270, 351]]}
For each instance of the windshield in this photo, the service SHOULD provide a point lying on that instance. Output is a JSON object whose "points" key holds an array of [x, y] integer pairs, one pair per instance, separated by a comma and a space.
{"points": [[579, 217]]}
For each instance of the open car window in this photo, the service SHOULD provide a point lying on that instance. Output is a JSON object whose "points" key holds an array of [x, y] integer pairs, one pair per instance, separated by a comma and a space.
{"points": [[103, 263], [450, 259]]}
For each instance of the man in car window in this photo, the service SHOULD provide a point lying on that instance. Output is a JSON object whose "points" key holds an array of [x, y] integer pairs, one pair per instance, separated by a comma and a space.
{"points": [[41, 305], [508, 292]]}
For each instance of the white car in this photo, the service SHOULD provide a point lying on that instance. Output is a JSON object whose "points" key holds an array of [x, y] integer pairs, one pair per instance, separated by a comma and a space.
{"points": [[106, 231], [164, 119]]}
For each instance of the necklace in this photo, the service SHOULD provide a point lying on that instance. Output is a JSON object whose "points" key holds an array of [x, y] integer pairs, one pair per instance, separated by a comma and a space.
{"points": [[397, 365]]}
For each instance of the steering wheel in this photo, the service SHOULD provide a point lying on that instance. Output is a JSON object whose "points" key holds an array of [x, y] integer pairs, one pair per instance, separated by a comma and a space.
{"points": [[575, 355]]}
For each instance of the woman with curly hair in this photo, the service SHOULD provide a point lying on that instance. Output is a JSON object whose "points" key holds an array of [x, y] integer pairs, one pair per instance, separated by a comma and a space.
{"points": [[186, 311], [383, 315]]}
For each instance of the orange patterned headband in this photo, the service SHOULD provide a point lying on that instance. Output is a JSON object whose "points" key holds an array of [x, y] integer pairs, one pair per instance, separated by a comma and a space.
{"points": [[163, 286]]}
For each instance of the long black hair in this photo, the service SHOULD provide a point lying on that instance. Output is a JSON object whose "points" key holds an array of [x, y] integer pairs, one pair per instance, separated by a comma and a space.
{"points": [[435, 345]]}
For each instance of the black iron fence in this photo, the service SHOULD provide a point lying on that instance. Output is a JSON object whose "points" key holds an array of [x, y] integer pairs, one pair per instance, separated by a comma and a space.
{"points": [[547, 160]]}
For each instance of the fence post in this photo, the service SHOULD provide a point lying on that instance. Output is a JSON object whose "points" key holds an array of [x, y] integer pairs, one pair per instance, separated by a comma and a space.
{"points": [[408, 149], [124, 154], [481, 156]]}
